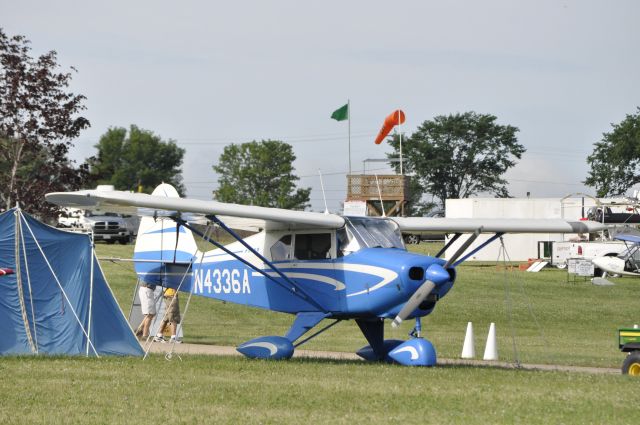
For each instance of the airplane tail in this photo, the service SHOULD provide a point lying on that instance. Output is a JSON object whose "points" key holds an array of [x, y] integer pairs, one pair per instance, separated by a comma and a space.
{"points": [[164, 249]]}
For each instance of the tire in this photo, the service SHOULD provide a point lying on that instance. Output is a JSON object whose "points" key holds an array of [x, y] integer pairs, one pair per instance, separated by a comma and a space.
{"points": [[631, 365], [412, 239], [124, 241]]}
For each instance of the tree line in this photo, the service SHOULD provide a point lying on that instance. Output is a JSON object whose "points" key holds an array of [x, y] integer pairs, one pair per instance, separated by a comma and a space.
{"points": [[450, 156]]}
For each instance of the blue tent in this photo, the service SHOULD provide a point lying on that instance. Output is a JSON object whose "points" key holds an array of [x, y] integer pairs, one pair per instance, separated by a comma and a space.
{"points": [[58, 300]]}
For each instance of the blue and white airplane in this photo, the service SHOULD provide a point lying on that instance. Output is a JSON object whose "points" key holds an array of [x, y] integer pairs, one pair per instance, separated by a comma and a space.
{"points": [[312, 265]]}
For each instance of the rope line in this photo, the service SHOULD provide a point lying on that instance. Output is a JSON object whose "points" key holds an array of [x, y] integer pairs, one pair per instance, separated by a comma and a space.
{"points": [[61, 288], [149, 341], [26, 264], [509, 306]]}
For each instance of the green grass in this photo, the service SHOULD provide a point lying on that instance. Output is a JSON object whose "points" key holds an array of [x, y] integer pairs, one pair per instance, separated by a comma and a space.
{"points": [[236, 390], [553, 322]]}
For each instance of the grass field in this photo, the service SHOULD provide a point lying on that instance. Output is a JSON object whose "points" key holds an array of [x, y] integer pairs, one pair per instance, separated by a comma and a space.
{"points": [[234, 390], [551, 321]]}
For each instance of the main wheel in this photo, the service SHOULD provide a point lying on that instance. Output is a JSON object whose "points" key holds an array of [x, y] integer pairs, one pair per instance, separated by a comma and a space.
{"points": [[631, 365]]}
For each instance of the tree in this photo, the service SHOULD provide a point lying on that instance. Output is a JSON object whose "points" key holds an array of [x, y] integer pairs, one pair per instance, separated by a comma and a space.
{"points": [[259, 173], [138, 160], [457, 156], [38, 119], [615, 161]]}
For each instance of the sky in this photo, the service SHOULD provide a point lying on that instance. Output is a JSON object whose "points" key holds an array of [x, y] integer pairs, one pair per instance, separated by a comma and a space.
{"points": [[207, 74]]}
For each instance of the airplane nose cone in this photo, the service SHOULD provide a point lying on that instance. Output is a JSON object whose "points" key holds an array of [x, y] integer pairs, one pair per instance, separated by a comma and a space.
{"points": [[437, 274]]}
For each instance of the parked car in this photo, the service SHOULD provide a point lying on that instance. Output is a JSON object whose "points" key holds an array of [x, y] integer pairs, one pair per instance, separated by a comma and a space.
{"points": [[416, 238]]}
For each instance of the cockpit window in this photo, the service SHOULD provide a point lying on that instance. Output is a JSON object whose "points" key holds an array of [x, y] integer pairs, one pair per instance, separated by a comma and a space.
{"points": [[374, 232], [347, 244], [312, 246], [281, 250]]}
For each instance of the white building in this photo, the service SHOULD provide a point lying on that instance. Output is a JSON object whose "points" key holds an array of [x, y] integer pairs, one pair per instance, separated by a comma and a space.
{"points": [[520, 247]]}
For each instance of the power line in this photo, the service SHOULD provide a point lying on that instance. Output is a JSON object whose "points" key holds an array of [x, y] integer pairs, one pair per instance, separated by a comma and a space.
{"points": [[221, 141]]}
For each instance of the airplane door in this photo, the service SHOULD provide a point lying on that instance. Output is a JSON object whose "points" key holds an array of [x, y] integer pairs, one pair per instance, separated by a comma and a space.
{"points": [[314, 256]]}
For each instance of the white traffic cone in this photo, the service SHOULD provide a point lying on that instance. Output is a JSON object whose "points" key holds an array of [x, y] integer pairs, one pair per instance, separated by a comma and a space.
{"points": [[468, 348], [491, 350]]}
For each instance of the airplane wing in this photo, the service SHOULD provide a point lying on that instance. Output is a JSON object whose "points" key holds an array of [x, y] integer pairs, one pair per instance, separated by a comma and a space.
{"points": [[233, 215], [635, 239], [255, 218], [495, 225]]}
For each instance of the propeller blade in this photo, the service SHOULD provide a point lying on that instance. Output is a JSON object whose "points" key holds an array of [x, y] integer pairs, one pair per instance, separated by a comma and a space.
{"points": [[463, 248], [416, 299], [435, 275]]}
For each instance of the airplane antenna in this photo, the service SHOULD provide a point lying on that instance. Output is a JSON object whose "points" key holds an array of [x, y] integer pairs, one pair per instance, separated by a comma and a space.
{"points": [[380, 196], [326, 210]]}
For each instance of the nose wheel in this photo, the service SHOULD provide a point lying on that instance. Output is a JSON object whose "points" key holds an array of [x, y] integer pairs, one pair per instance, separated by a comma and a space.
{"points": [[417, 329]]}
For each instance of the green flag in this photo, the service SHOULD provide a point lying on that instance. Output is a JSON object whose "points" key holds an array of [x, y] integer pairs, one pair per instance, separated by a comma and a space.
{"points": [[341, 113]]}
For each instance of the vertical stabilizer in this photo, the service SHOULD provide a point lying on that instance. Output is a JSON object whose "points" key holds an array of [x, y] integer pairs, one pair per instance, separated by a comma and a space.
{"points": [[163, 247]]}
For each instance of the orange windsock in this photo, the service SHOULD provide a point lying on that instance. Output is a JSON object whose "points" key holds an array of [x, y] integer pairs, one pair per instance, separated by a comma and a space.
{"points": [[393, 119]]}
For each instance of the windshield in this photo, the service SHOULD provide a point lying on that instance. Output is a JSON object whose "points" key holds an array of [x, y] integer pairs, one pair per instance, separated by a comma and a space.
{"points": [[374, 232]]}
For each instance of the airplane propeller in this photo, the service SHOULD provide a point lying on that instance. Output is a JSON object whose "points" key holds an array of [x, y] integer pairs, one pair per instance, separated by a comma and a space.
{"points": [[435, 274]]}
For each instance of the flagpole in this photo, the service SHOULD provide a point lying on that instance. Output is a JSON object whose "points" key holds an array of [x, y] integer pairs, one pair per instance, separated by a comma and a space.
{"points": [[400, 133], [349, 126]]}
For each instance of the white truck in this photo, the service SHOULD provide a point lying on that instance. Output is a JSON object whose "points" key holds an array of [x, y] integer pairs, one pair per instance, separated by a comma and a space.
{"points": [[107, 227], [562, 251]]}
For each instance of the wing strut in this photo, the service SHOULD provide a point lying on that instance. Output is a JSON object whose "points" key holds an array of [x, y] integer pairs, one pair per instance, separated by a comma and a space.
{"points": [[479, 247], [448, 244], [294, 289]]}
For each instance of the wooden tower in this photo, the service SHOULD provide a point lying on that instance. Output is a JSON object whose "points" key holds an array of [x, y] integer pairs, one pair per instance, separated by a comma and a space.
{"points": [[392, 189]]}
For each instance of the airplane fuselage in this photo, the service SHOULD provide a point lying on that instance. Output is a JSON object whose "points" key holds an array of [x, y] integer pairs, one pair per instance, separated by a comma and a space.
{"points": [[370, 282]]}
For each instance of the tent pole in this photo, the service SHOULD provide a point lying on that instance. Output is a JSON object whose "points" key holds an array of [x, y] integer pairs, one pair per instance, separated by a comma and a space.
{"points": [[90, 298], [23, 308]]}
